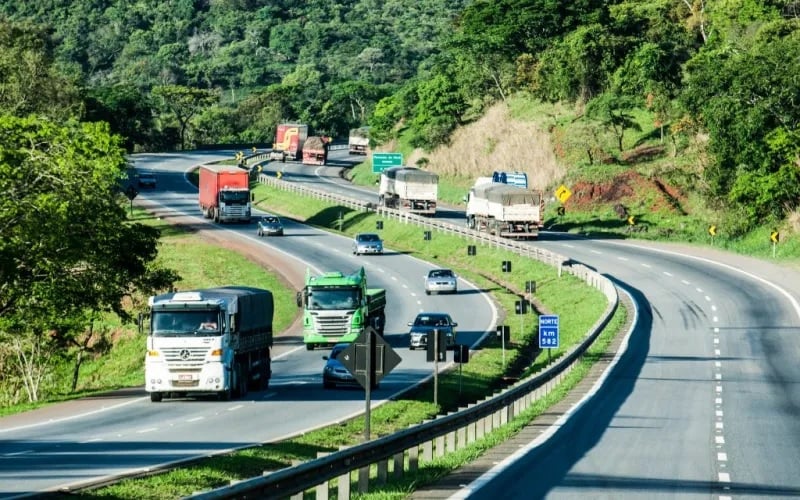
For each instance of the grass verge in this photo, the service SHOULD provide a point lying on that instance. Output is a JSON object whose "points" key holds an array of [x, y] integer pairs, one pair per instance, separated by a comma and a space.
{"points": [[485, 373]]}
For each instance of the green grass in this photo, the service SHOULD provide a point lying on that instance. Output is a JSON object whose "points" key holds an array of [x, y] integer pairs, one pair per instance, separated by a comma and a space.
{"points": [[483, 375]]}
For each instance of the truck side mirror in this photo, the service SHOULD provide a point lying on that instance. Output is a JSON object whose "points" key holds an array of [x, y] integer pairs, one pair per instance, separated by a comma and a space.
{"points": [[299, 299], [465, 198], [252, 197]]}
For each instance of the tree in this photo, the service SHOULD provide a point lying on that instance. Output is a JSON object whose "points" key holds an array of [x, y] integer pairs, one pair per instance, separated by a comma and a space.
{"points": [[184, 103], [29, 81], [612, 110], [66, 246]]}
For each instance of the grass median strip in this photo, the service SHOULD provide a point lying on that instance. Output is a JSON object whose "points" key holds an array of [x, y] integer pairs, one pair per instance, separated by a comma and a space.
{"points": [[485, 373]]}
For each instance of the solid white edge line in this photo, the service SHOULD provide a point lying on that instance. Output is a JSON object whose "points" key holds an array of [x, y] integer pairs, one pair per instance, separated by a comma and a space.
{"points": [[500, 468]]}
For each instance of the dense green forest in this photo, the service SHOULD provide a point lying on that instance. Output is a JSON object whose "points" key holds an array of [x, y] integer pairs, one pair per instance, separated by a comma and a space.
{"points": [[84, 81]]}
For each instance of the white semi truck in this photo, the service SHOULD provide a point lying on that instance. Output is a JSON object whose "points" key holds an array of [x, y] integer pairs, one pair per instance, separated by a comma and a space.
{"points": [[214, 340], [504, 210], [409, 188]]}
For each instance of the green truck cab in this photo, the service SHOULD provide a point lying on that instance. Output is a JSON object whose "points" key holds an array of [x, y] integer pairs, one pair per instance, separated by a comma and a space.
{"points": [[337, 307]]}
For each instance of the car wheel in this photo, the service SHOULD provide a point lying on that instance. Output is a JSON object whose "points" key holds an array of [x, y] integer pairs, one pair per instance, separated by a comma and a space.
{"points": [[427, 292], [260, 234], [411, 348], [327, 384]]}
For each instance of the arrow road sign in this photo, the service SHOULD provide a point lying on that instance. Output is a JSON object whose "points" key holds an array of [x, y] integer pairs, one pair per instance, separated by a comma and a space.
{"points": [[383, 358], [775, 236], [712, 230]]}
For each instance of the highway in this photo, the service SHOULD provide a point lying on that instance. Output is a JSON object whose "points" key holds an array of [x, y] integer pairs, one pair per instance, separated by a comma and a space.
{"points": [[67, 445], [703, 403]]}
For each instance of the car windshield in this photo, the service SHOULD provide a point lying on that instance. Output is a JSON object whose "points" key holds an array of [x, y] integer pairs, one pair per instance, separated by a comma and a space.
{"points": [[336, 351], [368, 237], [270, 220], [146, 176], [428, 320], [234, 196], [441, 273]]}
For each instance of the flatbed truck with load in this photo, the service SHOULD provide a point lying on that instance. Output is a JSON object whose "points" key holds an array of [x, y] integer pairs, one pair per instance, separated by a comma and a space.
{"points": [[224, 193], [315, 150], [358, 141], [504, 210], [410, 189], [213, 340], [338, 307], [289, 141]]}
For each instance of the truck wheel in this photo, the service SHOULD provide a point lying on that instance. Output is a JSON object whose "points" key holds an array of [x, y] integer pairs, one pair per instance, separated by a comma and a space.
{"points": [[156, 397], [310, 347]]}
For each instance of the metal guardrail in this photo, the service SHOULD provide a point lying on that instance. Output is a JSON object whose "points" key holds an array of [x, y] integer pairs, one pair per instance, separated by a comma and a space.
{"points": [[433, 438]]}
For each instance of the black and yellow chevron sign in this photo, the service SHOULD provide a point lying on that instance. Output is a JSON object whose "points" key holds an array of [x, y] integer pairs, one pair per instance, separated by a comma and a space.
{"points": [[712, 230], [775, 236], [632, 220]]}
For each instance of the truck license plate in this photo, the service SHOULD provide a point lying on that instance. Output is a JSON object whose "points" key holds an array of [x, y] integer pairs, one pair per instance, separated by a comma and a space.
{"points": [[185, 377]]}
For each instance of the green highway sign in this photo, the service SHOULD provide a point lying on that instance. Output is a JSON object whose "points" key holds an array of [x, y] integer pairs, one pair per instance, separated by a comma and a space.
{"points": [[382, 161]]}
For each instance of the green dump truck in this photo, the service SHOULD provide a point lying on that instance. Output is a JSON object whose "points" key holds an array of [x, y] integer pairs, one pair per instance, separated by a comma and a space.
{"points": [[337, 307]]}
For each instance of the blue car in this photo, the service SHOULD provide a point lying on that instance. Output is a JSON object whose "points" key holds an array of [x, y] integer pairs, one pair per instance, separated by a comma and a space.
{"points": [[335, 373]]}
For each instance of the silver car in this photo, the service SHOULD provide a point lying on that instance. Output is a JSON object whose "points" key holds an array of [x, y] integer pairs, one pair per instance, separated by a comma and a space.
{"points": [[367, 243], [441, 281], [270, 225]]}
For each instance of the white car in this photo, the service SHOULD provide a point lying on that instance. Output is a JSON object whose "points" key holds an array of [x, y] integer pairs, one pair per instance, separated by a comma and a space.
{"points": [[441, 281]]}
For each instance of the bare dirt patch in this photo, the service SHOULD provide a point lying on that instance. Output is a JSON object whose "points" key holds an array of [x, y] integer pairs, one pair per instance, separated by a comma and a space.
{"points": [[628, 188]]}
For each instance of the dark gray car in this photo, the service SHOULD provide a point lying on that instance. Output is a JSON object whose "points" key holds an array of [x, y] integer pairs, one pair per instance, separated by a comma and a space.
{"points": [[427, 322]]}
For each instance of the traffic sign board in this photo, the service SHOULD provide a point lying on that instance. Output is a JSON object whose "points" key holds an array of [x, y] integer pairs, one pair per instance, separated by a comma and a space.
{"points": [[712, 230], [548, 331], [382, 161], [775, 236], [383, 358], [563, 193]]}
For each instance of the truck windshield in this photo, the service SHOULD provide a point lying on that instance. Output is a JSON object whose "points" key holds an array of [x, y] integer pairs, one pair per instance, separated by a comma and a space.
{"points": [[334, 298], [185, 323], [234, 196]]}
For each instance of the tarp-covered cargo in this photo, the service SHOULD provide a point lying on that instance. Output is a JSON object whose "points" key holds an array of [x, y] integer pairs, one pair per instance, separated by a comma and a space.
{"points": [[507, 194], [411, 174]]}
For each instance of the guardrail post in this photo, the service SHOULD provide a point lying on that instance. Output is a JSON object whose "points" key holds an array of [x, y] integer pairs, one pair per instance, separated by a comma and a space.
{"points": [[427, 451], [383, 471], [451, 442], [413, 458], [399, 462], [322, 489], [440, 446], [471, 432], [343, 487], [461, 438], [363, 479]]}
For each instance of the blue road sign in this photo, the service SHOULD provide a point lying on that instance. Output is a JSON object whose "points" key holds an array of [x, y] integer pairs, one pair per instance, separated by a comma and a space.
{"points": [[548, 331]]}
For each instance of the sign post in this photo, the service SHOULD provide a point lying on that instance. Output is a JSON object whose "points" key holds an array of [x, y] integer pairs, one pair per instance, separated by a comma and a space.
{"points": [[369, 358], [548, 333]]}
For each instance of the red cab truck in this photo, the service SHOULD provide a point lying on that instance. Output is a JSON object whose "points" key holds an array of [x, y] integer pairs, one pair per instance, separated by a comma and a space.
{"points": [[289, 140], [225, 193], [315, 150]]}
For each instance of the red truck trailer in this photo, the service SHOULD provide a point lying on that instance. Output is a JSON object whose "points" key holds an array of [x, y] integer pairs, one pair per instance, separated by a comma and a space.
{"points": [[225, 193], [289, 140], [315, 150]]}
